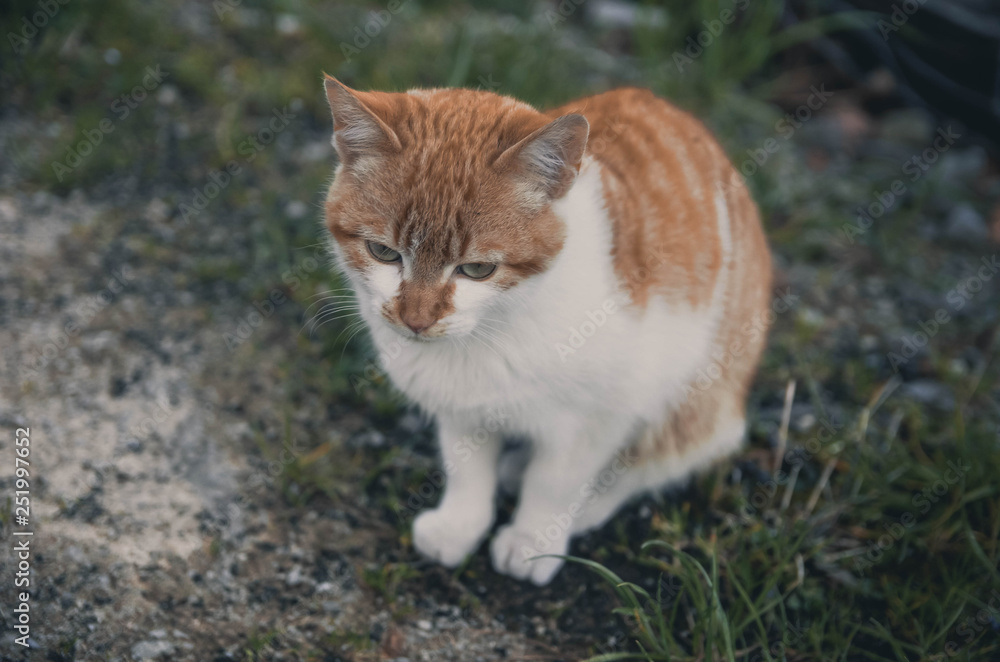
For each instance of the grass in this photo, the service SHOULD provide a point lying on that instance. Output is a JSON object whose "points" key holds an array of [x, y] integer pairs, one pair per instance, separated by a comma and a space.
{"points": [[839, 554]]}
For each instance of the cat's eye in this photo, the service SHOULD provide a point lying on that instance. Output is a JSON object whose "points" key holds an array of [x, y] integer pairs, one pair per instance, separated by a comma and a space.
{"points": [[477, 270], [381, 252]]}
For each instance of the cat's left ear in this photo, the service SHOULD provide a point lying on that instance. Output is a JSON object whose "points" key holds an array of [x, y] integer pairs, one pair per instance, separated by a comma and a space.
{"points": [[550, 157]]}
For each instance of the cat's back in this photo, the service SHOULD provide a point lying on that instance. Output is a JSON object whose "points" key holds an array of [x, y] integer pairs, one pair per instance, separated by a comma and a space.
{"points": [[665, 182]]}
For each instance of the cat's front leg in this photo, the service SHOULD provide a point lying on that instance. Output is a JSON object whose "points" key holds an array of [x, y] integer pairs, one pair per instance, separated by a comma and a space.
{"points": [[469, 451], [558, 488]]}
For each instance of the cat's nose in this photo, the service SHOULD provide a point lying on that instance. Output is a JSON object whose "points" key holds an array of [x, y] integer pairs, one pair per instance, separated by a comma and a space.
{"points": [[417, 328], [416, 321]]}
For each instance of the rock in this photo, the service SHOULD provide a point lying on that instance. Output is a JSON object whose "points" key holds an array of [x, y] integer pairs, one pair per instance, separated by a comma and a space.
{"points": [[625, 15], [288, 25], [411, 423], [294, 576], [368, 439], [167, 95], [424, 625], [967, 225], [296, 209], [150, 650], [868, 343], [929, 392]]}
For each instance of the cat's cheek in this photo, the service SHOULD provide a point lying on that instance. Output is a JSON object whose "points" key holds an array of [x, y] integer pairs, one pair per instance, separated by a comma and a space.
{"points": [[471, 295], [384, 280]]}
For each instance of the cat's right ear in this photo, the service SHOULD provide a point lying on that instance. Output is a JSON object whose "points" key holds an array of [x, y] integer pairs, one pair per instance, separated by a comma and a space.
{"points": [[549, 159], [357, 131]]}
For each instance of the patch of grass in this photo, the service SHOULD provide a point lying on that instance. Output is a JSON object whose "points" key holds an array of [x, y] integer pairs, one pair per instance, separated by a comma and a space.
{"points": [[350, 641], [387, 579], [896, 554], [259, 645]]}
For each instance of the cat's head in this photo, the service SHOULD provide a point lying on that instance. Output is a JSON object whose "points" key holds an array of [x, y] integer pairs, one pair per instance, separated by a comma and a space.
{"points": [[441, 204]]}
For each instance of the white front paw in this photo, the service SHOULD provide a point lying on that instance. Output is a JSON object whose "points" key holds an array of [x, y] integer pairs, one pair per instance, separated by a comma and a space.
{"points": [[447, 536], [513, 550]]}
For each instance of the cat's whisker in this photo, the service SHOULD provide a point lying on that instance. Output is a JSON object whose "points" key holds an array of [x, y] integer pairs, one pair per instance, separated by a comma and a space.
{"points": [[360, 328], [499, 333], [337, 291], [324, 316], [502, 333], [348, 329], [324, 301], [487, 341], [334, 314]]}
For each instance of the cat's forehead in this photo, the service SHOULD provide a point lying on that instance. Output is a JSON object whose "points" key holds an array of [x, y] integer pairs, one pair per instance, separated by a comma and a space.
{"points": [[451, 200]]}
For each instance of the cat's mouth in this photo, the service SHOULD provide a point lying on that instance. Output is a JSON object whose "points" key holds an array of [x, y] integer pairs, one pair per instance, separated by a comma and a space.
{"points": [[428, 335]]}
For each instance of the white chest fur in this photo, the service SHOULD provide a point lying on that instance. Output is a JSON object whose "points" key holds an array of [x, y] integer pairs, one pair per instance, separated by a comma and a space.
{"points": [[569, 339]]}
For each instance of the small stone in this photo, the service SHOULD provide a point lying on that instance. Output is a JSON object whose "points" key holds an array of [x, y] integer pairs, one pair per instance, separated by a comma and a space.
{"points": [[929, 392], [868, 343], [370, 439], [158, 634], [294, 577], [167, 95], [411, 423], [287, 24], [967, 225], [150, 650], [424, 625], [156, 211], [805, 422], [296, 209]]}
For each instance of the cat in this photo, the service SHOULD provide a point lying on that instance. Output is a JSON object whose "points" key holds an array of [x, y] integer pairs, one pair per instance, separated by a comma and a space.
{"points": [[593, 277]]}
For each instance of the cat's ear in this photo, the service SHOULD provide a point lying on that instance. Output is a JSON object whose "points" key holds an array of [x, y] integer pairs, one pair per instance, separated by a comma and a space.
{"points": [[357, 130], [550, 157]]}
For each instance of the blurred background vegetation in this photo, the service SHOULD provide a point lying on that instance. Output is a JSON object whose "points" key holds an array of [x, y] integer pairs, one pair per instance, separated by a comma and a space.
{"points": [[790, 573]]}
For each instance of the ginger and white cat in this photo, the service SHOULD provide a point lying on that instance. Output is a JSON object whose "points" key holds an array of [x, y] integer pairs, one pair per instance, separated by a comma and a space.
{"points": [[589, 277]]}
